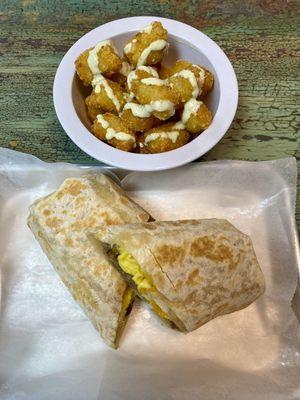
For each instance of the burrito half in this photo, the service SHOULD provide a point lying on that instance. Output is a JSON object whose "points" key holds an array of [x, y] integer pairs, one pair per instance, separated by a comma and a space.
{"points": [[60, 222], [188, 271]]}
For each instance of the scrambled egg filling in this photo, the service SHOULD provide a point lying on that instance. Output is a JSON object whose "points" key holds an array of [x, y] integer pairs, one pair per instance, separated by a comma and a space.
{"points": [[129, 265], [127, 297], [143, 283]]}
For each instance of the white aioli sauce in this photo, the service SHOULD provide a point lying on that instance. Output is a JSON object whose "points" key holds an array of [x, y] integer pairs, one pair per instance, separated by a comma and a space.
{"points": [[190, 107], [138, 110], [152, 71], [147, 29], [159, 44], [179, 125], [93, 56], [127, 48], [146, 110], [201, 77], [112, 133], [99, 81], [132, 75], [155, 81], [172, 135], [128, 97], [125, 69], [162, 105]]}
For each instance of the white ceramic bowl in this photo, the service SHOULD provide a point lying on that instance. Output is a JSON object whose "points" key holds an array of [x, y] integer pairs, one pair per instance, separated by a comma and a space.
{"points": [[185, 43]]}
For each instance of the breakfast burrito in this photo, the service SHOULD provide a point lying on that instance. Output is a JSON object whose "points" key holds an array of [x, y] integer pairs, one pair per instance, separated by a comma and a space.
{"points": [[60, 222], [188, 271]]}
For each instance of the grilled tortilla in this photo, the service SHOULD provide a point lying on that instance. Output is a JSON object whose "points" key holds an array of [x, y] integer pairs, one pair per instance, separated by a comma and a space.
{"points": [[60, 222], [188, 271]]}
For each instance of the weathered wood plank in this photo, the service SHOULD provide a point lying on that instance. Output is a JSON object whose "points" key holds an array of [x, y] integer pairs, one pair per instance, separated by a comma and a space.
{"points": [[260, 38]]}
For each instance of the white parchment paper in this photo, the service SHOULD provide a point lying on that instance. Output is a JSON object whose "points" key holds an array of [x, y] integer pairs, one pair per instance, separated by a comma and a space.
{"points": [[48, 348]]}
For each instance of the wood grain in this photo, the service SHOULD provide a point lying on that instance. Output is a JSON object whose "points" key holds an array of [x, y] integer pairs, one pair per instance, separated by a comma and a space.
{"points": [[260, 38]]}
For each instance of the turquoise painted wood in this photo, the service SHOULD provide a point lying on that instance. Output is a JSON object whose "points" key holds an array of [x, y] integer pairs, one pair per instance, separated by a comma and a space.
{"points": [[260, 38]]}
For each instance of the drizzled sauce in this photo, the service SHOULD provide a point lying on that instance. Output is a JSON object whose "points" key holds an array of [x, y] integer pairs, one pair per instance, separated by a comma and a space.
{"points": [[112, 133]]}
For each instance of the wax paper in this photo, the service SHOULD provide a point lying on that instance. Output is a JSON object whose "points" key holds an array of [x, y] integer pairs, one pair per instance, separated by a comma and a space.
{"points": [[50, 350]]}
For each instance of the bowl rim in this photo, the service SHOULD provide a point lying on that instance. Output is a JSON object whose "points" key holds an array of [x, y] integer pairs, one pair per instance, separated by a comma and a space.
{"points": [[99, 150]]}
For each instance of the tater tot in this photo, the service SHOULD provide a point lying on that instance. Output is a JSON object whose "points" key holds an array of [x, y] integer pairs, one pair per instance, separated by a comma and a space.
{"points": [[138, 117], [159, 95], [149, 90], [196, 116], [121, 76], [166, 137], [111, 129], [208, 82], [147, 47], [179, 66], [107, 96], [138, 74], [190, 80], [163, 71], [101, 59], [185, 84], [139, 104]]}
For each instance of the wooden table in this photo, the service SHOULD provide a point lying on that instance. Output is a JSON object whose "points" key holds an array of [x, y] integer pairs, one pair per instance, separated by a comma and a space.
{"points": [[259, 37]]}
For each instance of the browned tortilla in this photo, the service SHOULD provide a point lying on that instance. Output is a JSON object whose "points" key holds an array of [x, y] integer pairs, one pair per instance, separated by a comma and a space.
{"points": [[60, 222], [200, 268]]}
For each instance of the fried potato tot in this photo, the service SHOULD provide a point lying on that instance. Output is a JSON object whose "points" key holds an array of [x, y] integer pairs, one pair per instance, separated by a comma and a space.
{"points": [[166, 137], [136, 100], [111, 129], [179, 66], [101, 59], [147, 47], [159, 95], [208, 82], [185, 84], [190, 80], [156, 93], [107, 96], [121, 76], [138, 118], [196, 117], [138, 74], [163, 71]]}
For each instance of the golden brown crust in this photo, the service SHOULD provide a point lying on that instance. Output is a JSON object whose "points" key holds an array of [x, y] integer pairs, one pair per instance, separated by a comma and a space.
{"points": [[208, 82], [82, 68], [119, 79], [142, 40], [179, 66], [208, 76], [199, 121], [162, 144], [138, 124], [140, 74], [147, 93], [116, 123], [182, 87], [108, 62], [100, 102]]}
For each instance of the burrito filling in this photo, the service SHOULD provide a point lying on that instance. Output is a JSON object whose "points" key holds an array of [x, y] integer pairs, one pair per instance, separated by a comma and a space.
{"points": [[127, 301], [144, 283]]}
